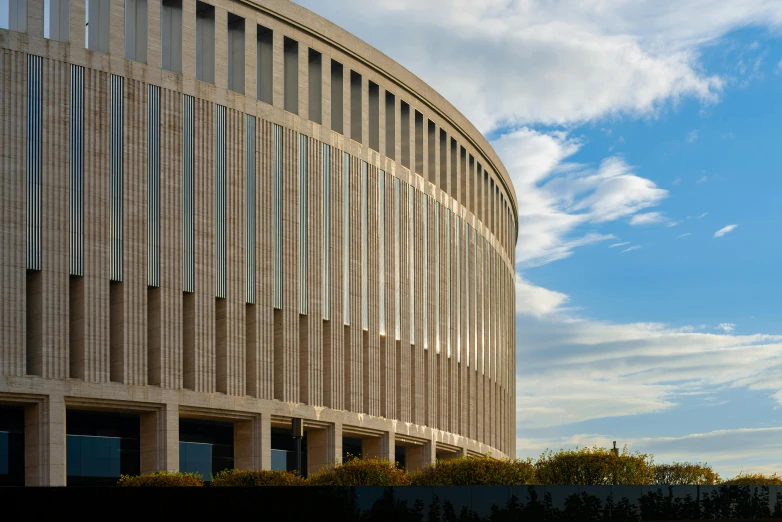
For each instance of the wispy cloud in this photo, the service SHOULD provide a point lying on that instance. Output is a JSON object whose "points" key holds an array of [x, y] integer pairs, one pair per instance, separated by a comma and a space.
{"points": [[692, 136], [726, 327], [702, 179], [634, 247], [623, 243], [684, 235], [676, 181], [648, 218], [724, 230]]}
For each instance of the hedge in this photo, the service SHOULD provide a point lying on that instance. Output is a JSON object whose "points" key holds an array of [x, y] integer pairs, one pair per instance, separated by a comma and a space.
{"points": [[467, 471], [685, 474], [594, 466], [162, 479], [754, 479], [361, 472], [249, 478]]}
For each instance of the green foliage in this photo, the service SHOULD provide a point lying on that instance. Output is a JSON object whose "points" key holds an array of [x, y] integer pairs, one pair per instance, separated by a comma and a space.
{"points": [[685, 473], [250, 478], [360, 472], [593, 466], [473, 471], [754, 479], [162, 479]]}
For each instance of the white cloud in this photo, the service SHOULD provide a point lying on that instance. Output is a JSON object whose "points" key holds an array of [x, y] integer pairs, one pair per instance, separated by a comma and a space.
{"points": [[703, 215], [537, 301], [623, 243], [726, 327], [649, 218], [702, 179], [630, 249], [676, 181], [724, 230], [684, 235], [692, 136]]}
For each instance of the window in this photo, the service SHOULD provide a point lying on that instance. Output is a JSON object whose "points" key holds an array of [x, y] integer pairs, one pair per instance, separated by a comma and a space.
{"points": [[381, 234], [356, 115], [337, 97], [404, 122], [315, 81], [115, 176], [34, 107], [136, 30], [56, 19], [397, 271], [236, 47], [419, 143], [444, 161], [265, 65], [205, 42], [13, 15], [364, 247], [101, 446], [291, 75], [171, 34], [153, 187], [250, 208], [431, 174], [77, 170], [458, 235], [303, 212], [277, 209], [11, 445], [188, 193], [411, 256], [205, 446], [448, 287], [346, 237], [374, 116], [390, 125], [425, 269], [437, 296], [220, 203], [98, 25], [326, 230]]}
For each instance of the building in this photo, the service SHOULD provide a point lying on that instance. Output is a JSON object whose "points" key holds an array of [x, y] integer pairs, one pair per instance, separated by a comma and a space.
{"points": [[220, 216]]}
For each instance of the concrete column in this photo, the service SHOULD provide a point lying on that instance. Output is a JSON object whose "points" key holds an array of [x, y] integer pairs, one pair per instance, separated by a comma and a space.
{"points": [[420, 456], [382, 448], [324, 447], [44, 442], [265, 434], [159, 439], [247, 444]]}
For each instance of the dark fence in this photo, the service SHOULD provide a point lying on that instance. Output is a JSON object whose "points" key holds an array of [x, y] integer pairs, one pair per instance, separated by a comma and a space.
{"points": [[403, 504]]}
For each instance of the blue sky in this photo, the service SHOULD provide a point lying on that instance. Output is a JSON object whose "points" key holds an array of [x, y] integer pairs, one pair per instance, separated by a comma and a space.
{"points": [[644, 145]]}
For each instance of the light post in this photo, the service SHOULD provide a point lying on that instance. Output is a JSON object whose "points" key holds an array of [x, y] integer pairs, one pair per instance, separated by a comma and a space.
{"points": [[297, 428]]}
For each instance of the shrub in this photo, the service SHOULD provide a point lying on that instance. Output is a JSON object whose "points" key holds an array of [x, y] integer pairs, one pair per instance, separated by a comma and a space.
{"points": [[469, 471], [249, 478], [593, 466], [754, 479], [360, 472], [161, 479], [684, 473]]}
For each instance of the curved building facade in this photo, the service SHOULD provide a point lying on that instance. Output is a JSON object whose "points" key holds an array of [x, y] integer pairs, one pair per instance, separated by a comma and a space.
{"points": [[218, 217]]}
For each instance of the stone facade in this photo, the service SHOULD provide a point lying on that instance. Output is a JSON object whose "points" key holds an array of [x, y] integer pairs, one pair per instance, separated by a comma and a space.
{"points": [[441, 386]]}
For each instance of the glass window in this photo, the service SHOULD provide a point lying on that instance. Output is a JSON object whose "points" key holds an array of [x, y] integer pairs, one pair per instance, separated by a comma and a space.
{"points": [[97, 26], [283, 448], [171, 34], [195, 457], [205, 42], [291, 75], [11, 446], [236, 46], [101, 446], [136, 30], [56, 20], [205, 446]]}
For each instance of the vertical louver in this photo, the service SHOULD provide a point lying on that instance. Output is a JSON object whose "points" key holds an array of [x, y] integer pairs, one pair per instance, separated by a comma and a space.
{"points": [[115, 184], [397, 268], [448, 286], [220, 203], [303, 211], [77, 170], [34, 72], [438, 240], [425, 269], [188, 193], [346, 238], [458, 236], [411, 256], [249, 221], [153, 186], [381, 235], [326, 230], [364, 245], [277, 207]]}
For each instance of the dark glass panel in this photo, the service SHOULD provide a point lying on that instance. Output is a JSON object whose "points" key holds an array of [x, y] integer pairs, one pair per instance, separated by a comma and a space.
{"points": [[195, 457]]}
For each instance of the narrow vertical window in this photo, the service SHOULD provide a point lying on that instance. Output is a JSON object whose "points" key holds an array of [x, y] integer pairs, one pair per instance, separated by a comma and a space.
{"points": [[188, 193], [448, 287], [153, 186], [444, 162], [475, 285], [291, 75], [453, 190], [277, 208], [13, 15], [34, 101], [115, 176], [483, 306], [356, 114], [411, 255], [346, 238], [374, 116], [171, 34], [437, 297], [98, 25], [205, 42], [315, 81], [220, 203], [326, 230], [265, 65], [56, 19], [381, 235], [77, 170], [432, 153], [419, 143], [397, 270], [136, 30], [364, 246], [303, 211], [467, 302], [458, 234], [337, 97], [236, 48], [390, 125], [425, 269], [404, 123], [249, 219]]}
